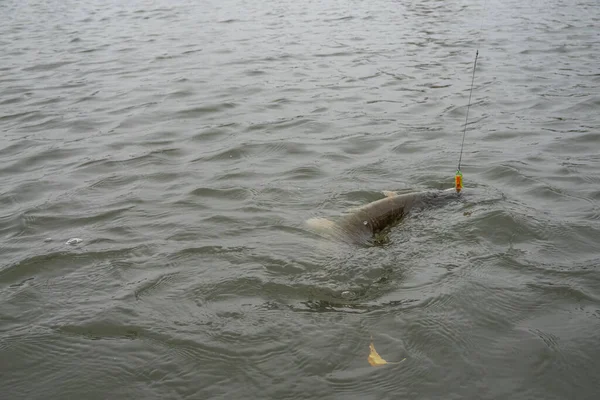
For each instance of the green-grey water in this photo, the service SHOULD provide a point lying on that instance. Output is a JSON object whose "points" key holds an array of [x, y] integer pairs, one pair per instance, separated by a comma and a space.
{"points": [[187, 142]]}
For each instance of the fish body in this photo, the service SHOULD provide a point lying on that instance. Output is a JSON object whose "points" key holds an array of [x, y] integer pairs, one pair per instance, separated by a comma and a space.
{"points": [[363, 223]]}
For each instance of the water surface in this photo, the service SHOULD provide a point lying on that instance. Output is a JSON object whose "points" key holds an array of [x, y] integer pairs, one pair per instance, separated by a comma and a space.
{"points": [[185, 143]]}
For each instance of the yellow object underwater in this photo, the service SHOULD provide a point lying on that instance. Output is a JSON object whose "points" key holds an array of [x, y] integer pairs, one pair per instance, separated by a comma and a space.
{"points": [[374, 357]]}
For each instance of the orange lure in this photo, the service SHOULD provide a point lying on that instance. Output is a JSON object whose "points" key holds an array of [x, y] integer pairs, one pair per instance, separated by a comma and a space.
{"points": [[458, 183]]}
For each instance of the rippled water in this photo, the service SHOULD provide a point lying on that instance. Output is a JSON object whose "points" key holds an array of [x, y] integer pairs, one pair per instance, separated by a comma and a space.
{"points": [[187, 142]]}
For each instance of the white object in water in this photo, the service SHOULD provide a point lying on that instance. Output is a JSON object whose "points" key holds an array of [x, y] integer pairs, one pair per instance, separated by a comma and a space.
{"points": [[74, 241]]}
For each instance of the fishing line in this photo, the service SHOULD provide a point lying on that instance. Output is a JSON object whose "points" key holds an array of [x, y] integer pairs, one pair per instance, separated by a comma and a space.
{"points": [[458, 183], [468, 107]]}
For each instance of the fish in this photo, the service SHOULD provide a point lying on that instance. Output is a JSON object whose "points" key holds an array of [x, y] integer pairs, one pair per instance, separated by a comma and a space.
{"points": [[362, 224]]}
